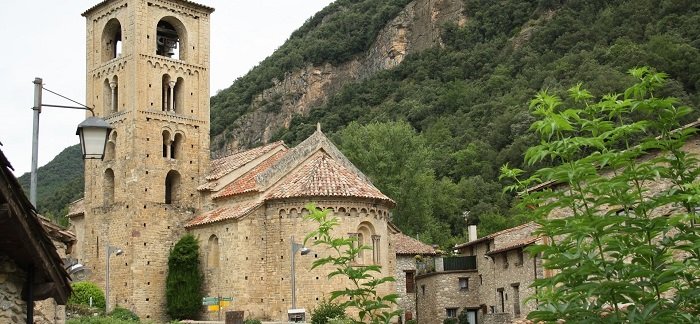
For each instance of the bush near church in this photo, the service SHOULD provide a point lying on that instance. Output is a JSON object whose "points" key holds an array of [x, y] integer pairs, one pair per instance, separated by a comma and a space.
{"points": [[83, 291]]}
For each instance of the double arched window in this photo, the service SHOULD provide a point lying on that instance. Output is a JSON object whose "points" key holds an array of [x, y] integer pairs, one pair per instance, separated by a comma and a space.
{"points": [[172, 90], [172, 145]]}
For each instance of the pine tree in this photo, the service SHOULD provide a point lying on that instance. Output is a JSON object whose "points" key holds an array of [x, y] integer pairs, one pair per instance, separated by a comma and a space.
{"points": [[184, 281]]}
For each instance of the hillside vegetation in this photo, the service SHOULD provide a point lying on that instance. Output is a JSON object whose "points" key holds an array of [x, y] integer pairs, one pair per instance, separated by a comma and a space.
{"points": [[59, 182], [466, 103]]}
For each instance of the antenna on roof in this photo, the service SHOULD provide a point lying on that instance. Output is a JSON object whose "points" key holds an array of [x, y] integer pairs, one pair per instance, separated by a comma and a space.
{"points": [[318, 127]]}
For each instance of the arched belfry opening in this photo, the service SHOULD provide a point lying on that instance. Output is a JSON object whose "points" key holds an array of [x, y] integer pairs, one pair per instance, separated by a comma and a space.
{"points": [[167, 142], [171, 38], [111, 148], [111, 40], [176, 147], [172, 187], [172, 94]]}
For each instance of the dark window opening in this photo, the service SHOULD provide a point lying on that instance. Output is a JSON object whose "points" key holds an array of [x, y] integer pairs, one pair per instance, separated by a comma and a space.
{"points": [[410, 282], [172, 187], [167, 40]]}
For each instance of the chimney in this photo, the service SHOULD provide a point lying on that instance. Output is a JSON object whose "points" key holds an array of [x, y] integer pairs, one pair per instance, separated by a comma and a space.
{"points": [[472, 232]]}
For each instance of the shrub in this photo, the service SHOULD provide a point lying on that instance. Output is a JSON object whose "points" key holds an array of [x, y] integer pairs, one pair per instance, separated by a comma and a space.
{"points": [[184, 281], [121, 313], [82, 291], [252, 321], [325, 311], [411, 322], [450, 321]]}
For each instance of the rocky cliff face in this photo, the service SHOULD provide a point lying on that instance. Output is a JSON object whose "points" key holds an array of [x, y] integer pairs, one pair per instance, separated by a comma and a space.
{"points": [[416, 28]]}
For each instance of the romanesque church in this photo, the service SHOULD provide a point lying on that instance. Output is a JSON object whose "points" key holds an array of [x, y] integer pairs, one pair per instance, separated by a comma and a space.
{"points": [[148, 76]]}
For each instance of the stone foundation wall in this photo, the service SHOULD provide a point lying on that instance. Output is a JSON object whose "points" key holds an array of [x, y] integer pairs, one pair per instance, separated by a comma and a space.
{"points": [[12, 308], [438, 291]]}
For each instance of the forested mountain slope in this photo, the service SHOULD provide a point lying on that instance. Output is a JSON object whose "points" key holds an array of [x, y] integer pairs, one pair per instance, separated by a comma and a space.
{"points": [[429, 97], [59, 182], [462, 106]]}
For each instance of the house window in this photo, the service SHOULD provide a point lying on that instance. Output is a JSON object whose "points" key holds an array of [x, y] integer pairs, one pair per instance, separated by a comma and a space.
{"points": [[519, 262], [451, 312], [505, 260], [410, 282], [422, 289], [464, 283], [516, 299]]}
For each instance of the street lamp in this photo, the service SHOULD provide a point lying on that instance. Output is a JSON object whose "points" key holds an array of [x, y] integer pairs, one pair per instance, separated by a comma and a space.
{"points": [[296, 247], [116, 251], [93, 134]]}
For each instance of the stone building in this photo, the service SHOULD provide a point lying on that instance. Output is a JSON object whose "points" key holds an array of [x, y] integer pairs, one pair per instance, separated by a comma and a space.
{"points": [[489, 279], [407, 250], [31, 269], [256, 201], [148, 76]]}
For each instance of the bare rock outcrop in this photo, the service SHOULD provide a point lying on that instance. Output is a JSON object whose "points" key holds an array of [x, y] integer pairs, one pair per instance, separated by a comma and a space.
{"points": [[414, 29]]}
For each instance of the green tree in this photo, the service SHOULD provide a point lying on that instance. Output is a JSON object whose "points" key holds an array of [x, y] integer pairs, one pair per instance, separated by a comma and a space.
{"points": [[184, 281], [628, 250], [362, 293], [397, 160]]}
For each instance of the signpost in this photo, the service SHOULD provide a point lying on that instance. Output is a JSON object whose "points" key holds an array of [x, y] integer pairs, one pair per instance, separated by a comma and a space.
{"points": [[215, 304]]}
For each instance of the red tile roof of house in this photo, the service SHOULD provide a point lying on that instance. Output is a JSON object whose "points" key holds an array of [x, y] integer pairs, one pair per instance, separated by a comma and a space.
{"points": [[234, 211], [247, 182], [406, 245], [222, 166], [321, 175], [494, 235], [515, 244], [76, 208]]}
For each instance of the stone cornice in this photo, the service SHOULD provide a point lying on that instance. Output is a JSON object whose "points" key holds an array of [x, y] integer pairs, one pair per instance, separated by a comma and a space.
{"points": [[170, 117], [181, 9], [171, 62], [105, 11], [110, 66]]}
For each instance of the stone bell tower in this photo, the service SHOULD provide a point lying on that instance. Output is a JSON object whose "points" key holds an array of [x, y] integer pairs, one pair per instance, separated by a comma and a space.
{"points": [[148, 76]]}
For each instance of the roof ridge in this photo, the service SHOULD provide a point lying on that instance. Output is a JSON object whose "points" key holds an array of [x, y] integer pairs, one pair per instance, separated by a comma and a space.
{"points": [[302, 152]]}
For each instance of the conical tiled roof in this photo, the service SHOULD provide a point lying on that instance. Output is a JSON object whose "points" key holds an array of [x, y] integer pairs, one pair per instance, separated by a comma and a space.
{"points": [[321, 175]]}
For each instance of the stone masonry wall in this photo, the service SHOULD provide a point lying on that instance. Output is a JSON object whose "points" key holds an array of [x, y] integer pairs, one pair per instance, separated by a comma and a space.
{"points": [[254, 264], [438, 291], [12, 308], [407, 301]]}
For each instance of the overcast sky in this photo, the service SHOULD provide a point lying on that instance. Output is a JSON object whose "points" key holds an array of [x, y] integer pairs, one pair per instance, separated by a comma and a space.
{"points": [[46, 39]]}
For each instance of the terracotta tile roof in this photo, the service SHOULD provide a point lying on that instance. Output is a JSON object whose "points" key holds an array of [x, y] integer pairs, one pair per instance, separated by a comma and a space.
{"points": [[76, 208], [222, 166], [234, 211], [406, 245], [515, 244], [494, 235], [247, 182], [321, 175]]}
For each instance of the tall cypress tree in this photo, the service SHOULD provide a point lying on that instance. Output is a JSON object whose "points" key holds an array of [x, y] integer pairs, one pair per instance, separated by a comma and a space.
{"points": [[184, 281]]}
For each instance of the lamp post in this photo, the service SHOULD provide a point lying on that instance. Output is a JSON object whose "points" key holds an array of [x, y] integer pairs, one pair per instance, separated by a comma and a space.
{"points": [[110, 250], [296, 247], [93, 134]]}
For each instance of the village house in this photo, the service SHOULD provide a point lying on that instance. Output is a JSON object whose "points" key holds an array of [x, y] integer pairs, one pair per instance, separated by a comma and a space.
{"points": [[34, 284], [489, 278]]}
